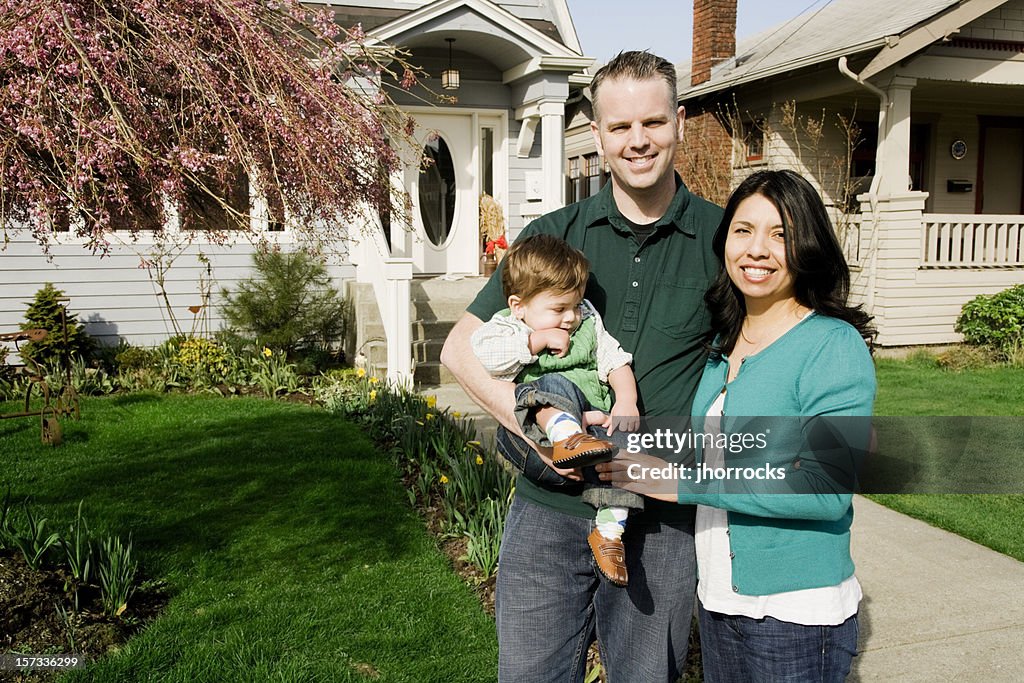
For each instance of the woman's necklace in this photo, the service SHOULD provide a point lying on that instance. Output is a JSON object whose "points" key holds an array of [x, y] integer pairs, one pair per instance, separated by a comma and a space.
{"points": [[772, 332]]}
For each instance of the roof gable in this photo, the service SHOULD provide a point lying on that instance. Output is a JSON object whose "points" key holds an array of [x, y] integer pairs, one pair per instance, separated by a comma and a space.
{"points": [[548, 17]]}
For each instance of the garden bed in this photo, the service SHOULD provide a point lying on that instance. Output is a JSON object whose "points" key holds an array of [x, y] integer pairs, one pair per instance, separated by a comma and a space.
{"points": [[30, 623]]}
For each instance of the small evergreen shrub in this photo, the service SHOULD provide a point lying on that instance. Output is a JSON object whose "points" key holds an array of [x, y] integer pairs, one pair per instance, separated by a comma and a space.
{"points": [[995, 320], [45, 312], [288, 305]]}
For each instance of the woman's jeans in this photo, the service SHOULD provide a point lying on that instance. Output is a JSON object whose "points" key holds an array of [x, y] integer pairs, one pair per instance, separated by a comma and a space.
{"points": [[736, 648]]}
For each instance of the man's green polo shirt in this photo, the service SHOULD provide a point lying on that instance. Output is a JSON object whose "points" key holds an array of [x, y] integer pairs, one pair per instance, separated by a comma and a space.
{"points": [[651, 296]]}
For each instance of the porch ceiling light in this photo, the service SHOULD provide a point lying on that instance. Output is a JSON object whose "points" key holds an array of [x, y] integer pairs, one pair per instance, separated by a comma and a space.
{"points": [[450, 76]]}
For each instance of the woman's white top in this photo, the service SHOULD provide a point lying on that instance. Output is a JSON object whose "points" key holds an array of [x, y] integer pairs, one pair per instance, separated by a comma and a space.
{"points": [[826, 606]]}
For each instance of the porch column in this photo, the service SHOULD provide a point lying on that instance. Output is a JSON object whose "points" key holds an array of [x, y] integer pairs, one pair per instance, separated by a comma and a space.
{"points": [[887, 283], [552, 149], [893, 159]]}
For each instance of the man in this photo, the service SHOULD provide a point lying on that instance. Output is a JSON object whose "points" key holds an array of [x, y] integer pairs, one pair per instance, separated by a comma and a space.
{"points": [[648, 241]]}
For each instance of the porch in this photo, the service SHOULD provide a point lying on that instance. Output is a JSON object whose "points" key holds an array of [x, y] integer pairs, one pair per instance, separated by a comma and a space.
{"points": [[914, 271]]}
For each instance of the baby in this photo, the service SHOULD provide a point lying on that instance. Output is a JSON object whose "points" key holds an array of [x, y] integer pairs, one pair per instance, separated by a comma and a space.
{"points": [[550, 328]]}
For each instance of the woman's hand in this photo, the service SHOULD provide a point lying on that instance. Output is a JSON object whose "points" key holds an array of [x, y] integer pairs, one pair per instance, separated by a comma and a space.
{"points": [[641, 473]]}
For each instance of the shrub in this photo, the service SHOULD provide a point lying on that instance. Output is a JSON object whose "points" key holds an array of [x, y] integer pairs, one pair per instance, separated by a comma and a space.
{"points": [[45, 312], [204, 361], [288, 305], [995, 320], [134, 358]]}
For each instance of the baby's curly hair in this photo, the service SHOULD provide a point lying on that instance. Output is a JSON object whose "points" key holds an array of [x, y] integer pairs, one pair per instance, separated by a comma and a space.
{"points": [[542, 263]]}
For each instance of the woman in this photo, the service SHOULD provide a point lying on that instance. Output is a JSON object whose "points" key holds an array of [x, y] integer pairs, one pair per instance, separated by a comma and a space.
{"points": [[778, 598]]}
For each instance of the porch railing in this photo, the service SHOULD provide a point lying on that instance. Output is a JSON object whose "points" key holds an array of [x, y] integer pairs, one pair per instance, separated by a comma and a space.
{"points": [[967, 241]]}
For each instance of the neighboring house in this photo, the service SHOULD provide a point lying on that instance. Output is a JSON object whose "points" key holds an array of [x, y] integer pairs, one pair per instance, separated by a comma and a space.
{"points": [[503, 135], [932, 213]]}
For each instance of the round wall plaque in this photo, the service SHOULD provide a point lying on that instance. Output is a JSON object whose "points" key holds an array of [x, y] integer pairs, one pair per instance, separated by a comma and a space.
{"points": [[958, 149]]}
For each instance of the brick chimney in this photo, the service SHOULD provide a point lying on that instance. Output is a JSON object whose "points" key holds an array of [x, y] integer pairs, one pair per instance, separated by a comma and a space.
{"points": [[714, 36]]}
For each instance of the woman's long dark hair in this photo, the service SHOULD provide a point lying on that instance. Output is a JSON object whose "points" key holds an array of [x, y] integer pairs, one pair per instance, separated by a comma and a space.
{"points": [[813, 256]]}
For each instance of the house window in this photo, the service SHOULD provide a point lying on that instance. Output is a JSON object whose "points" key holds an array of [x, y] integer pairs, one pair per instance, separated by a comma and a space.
{"points": [[920, 141], [200, 211], [753, 141], [863, 156], [487, 160], [275, 213], [437, 191], [572, 180], [594, 180]]}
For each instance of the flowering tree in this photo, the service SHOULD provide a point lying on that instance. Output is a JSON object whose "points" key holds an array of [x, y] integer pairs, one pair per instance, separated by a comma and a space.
{"points": [[114, 113]]}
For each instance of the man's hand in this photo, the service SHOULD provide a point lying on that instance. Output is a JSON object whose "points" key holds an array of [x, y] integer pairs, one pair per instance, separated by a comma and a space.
{"points": [[555, 340], [545, 455]]}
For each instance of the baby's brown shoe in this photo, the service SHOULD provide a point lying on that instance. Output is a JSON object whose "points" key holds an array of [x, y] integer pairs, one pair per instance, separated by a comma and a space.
{"points": [[581, 450], [610, 556]]}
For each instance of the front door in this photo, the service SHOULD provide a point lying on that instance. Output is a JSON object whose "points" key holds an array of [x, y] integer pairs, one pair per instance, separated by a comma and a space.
{"points": [[444, 196], [1001, 182]]}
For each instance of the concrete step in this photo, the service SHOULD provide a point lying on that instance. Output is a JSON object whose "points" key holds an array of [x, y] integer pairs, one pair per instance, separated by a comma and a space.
{"points": [[424, 350], [436, 305], [432, 373], [465, 289], [439, 309], [421, 330]]}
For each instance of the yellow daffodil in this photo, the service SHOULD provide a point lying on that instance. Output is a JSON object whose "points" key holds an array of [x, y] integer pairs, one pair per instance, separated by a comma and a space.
{"points": [[430, 416], [374, 380], [267, 352], [456, 414], [373, 395], [361, 372], [444, 479], [431, 401], [479, 460], [474, 443]]}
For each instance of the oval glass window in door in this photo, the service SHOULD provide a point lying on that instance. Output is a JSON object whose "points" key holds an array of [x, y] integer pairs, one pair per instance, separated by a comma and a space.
{"points": [[437, 191]]}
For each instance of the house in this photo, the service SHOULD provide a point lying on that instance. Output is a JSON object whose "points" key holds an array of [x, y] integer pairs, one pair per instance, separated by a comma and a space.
{"points": [[508, 68], [909, 118]]}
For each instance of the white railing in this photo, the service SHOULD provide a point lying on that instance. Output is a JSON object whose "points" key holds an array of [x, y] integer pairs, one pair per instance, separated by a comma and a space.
{"points": [[390, 278], [969, 241]]}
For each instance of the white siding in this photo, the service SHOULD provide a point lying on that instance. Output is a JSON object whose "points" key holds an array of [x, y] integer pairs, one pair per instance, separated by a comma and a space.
{"points": [[521, 210], [953, 125], [115, 297]]}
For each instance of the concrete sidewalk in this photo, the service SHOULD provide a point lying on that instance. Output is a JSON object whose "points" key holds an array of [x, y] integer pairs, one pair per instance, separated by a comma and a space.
{"points": [[936, 606]]}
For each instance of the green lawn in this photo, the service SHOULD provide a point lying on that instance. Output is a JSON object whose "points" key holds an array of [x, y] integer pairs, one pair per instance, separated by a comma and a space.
{"points": [[918, 387], [286, 540]]}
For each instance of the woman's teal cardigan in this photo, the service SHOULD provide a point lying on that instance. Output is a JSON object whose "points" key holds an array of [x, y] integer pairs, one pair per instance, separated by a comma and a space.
{"points": [[789, 541]]}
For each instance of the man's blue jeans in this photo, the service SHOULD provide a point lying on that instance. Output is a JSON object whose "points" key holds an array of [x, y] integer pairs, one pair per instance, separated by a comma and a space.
{"points": [[551, 603], [736, 648]]}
